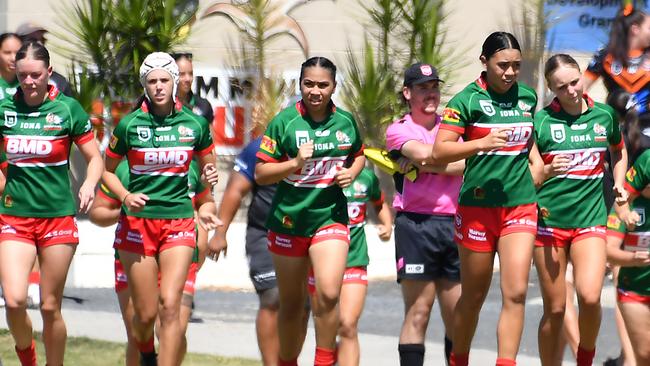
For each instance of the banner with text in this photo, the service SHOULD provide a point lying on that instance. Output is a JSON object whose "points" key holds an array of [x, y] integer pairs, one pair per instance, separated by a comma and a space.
{"points": [[581, 25]]}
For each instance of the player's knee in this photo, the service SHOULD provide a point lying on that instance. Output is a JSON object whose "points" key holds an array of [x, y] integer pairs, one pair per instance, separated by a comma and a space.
{"points": [[348, 327], [418, 317], [269, 299], [15, 303], [515, 295], [50, 308], [326, 300], [589, 299]]}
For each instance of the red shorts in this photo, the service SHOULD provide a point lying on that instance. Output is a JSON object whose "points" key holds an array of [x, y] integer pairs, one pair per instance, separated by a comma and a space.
{"points": [[298, 246], [121, 282], [41, 232], [479, 228], [563, 238], [152, 236], [352, 275], [628, 296]]}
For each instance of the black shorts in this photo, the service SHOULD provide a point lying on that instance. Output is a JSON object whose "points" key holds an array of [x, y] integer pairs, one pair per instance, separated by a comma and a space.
{"points": [[425, 248], [260, 262]]}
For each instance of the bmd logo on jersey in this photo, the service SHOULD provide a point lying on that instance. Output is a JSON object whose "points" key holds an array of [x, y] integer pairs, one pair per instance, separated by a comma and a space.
{"points": [[557, 133], [487, 107], [166, 157], [144, 133], [11, 118], [25, 146]]}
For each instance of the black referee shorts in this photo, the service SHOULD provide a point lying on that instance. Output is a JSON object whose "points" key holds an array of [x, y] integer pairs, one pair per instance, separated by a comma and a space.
{"points": [[425, 248]]}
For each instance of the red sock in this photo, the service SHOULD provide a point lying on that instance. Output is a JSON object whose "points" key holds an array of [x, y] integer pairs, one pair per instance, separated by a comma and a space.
{"points": [[585, 358], [506, 362], [458, 360], [34, 277], [293, 362], [324, 357], [147, 346], [27, 356]]}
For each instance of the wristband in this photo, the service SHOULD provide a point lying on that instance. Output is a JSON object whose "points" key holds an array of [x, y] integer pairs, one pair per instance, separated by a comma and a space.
{"points": [[123, 200]]}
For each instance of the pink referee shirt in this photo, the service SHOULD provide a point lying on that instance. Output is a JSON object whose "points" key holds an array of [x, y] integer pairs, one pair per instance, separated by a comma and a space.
{"points": [[430, 194]]}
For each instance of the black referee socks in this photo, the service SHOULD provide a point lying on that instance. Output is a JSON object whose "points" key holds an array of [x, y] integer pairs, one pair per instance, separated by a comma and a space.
{"points": [[411, 354]]}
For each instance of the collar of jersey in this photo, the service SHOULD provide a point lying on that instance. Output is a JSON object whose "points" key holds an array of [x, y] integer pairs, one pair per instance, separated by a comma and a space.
{"points": [[52, 93], [557, 107], [302, 109], [178, 106]]}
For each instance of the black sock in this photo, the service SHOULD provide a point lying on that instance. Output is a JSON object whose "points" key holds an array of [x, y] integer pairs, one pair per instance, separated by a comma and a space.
{"points": [[411, 354], [448, 347], [148, 359]]}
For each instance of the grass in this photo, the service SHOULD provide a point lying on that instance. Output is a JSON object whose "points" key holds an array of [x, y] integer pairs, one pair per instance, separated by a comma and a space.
{"points": [[86, 351]]}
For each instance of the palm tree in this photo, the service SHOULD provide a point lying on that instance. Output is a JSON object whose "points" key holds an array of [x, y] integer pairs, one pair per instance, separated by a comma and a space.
{"points": [[113, 37], [259, 23]]}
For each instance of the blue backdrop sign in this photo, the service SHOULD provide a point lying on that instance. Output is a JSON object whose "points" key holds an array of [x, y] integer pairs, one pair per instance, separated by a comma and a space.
{"points": [[581, 25]]}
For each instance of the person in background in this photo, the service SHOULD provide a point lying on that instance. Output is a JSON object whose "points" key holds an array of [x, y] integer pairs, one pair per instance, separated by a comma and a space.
{"points": [[198, 105], [425, 252], [30, 31]]}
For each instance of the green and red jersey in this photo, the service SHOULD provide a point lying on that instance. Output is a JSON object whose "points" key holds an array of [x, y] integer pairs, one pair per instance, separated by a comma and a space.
{"points": [[159, 151], [634, 279], [364, 189], [37, 142], [7, 90], [497, 178], [309, 197], [195, 185], [584, 139]]}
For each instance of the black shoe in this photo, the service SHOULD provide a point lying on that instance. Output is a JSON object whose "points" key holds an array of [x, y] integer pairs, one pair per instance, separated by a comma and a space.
{"points": [[148, 359]]}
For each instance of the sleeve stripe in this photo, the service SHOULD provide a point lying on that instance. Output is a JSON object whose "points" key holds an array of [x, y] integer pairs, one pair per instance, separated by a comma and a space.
{"points": [[265, 158], [629, 188], [620, 145], [84, 138], [379, 201], [108, 198], [360, 152], [202, 193], [458, 129], [206, 151], [111, 154]]}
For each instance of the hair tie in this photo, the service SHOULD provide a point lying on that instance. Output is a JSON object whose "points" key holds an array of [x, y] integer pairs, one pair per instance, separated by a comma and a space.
{"points": [[628, 8]]}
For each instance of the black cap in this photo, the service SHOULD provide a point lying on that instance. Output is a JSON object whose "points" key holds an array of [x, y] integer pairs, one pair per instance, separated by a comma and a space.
{"points": [[420, 73]]}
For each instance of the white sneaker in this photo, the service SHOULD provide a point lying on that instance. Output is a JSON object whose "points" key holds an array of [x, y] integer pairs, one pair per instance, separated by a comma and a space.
{"points": [[33, 296]]}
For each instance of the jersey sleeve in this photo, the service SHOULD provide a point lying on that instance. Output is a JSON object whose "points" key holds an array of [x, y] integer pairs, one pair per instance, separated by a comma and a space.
{"points": [[246, 160], [196, 184], [614, 136], [397, 134], [122, 173], [271, 148], [357, 144], [615, 226], [595, 68], [81, 129], [204, 144], [636, 178], [118, 147], [456, 115], [375, 194]]}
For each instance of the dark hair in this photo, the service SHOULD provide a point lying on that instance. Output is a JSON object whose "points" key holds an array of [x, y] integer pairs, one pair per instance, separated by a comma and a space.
{"points": [[498, 41], [323, 62], [558, 60], [6, 36], [36, 50], [618, 45], [179, 55]]}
